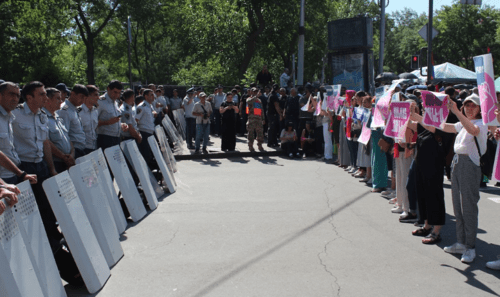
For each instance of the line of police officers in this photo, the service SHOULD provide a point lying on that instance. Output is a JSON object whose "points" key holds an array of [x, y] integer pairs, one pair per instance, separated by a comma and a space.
{"points": [[45, 134]]}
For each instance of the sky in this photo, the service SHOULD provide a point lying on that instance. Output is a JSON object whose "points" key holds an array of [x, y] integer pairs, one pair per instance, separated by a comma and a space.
{"points": [[422, 6]]}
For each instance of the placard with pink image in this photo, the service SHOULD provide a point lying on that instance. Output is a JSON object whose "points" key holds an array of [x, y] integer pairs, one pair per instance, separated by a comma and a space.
{"points": [[366, 132], [398, 120], [436, 111], [486, 86]]}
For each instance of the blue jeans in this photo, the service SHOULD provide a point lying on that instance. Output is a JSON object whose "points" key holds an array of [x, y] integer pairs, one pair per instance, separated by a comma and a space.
{"points": [[202, 132]]}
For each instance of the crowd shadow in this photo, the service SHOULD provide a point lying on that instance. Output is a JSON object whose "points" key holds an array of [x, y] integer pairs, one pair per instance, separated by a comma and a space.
{"points": [[267, 161], [208, 162]]}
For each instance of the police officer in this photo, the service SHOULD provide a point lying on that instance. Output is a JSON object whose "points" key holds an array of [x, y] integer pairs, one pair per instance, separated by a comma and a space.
{"points": [[109, 126], [9, 160], [128, 117], [64, 90], [145, 114], [30, 127], [71, 120], [63, 152], [88, 115]]}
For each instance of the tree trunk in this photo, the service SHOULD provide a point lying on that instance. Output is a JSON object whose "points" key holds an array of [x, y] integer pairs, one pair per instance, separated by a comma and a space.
{"points": [[90, 61], [252, 38]]}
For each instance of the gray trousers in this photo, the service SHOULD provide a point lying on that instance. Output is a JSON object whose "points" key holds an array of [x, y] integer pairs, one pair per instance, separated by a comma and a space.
{"points": [[465, 179]]}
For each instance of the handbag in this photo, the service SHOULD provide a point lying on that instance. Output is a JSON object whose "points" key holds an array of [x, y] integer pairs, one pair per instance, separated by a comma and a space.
{"points": [[487, 160], [384, 145]]}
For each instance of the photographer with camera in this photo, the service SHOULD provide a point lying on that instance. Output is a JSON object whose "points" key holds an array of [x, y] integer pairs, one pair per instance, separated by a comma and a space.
{"points": [[202, 111], [228, 111]]}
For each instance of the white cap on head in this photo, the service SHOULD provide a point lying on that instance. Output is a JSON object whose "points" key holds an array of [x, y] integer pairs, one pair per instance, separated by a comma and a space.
{"points": [[474, 98]]}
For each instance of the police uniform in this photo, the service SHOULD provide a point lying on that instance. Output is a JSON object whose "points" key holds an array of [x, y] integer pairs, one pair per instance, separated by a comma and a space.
{"points": [[89, 123], [70, 118], [108, 135], [30, 131], [144, 113], [128, 117], [7, 145], [58, 135]]}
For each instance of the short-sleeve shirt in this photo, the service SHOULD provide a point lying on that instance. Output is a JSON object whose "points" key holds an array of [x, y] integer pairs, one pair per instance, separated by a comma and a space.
{"points": [[7, 141], [218, 99], [58, 134], [108, 109], [287, 134], [128, 117], [465, 143], [198, 108], [163, 101], [175, 103], [30, 132], [284, 78], [71, 120], [188, 108], [144, 113], [90, 120]]}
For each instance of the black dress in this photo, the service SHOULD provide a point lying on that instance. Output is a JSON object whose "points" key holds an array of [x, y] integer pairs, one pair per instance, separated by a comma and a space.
{"points": [[228, 128]]}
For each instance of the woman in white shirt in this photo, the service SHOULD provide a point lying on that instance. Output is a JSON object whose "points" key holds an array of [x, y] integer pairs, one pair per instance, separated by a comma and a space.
{"points": [[466, 174]]}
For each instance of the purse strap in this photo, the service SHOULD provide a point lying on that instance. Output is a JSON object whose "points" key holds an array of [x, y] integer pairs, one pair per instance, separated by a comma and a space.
{"points": [[477, 145]]}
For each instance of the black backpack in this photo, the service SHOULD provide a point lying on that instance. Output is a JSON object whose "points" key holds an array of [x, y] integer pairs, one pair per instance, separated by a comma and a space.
{"points": [[488, 158]]}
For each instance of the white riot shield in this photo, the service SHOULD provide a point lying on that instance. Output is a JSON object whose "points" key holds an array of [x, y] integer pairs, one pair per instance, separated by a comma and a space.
{"points": [[125, 182], [17, 271], [77, 231], [181, 122], [31, 227], [90, 190], [141, 169], [107, 185], [165, 150], [167, 175]]}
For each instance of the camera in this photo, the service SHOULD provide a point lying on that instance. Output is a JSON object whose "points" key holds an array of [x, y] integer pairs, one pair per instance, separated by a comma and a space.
{"points": [[205, 115], [230, 104]]}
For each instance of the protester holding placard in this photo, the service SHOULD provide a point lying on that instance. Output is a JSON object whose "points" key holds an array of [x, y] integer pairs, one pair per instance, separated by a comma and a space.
{"points": [[327, 135], [364, 152], [430, 160], [466, 174], [344, 156]]}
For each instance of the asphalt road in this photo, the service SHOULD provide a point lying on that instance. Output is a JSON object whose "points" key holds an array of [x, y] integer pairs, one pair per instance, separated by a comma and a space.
{"points": [[270, 226]]}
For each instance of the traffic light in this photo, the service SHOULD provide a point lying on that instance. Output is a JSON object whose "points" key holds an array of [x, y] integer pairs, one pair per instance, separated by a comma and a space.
{"points": [[415, 62]]}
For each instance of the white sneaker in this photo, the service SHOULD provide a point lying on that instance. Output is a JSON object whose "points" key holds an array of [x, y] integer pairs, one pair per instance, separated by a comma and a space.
{"points": [[404, 213], [469, 255], [353, 170], [493, 265], [456, 248], [390, 195], [386, 192], [397, 210], [348, 168]]}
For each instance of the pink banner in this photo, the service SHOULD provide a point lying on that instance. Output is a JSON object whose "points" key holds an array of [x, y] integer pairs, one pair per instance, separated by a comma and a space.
{"points": [[486, 86], [436, 111], [365, 135], [398, 120], [333, 94], [496, 167]]}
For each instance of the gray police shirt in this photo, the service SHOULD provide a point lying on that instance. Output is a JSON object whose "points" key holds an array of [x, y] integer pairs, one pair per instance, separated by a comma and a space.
{"points": [[30, 131], [58, 134], [128, 117], [89, 123], [108, 109], [71, 120], [144, 113], [7, 141]]}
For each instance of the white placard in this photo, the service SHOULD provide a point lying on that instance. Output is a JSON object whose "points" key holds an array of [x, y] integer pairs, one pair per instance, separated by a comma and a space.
{"points": [[167, 175], [77, 231], [15, 255], [141, 169], [125, 182], [30, 223], [91, 193], [165, 149], [103, 174]]}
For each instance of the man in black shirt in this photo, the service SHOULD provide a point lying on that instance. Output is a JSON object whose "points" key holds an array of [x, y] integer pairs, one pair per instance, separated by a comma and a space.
{"points": [[264, 77], [274, 116], [292, 108]]}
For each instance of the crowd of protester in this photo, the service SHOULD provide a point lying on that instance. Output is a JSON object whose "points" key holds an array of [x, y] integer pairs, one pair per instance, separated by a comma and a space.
{"points": [[417, 165]]}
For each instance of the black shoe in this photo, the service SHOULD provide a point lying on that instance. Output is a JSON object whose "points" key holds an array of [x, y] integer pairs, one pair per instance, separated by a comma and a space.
{"points": [[497, 184], [483, 185], [205, 151], [408, 218], [197, 152]]}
